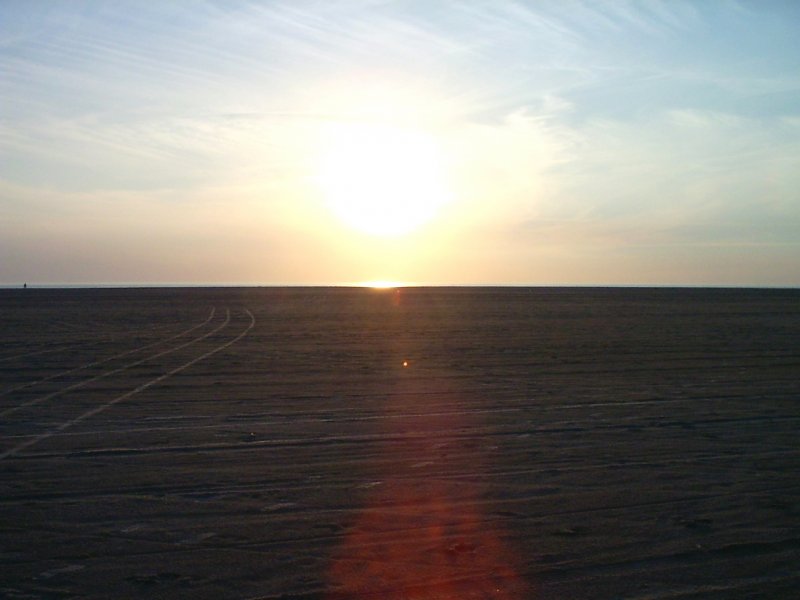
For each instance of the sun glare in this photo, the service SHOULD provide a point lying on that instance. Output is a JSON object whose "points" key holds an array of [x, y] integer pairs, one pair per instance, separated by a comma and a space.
{"points": [[381, 284], [382, 179]]}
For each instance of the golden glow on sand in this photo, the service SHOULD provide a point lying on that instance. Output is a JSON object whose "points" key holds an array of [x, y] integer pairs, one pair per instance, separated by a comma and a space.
{"points": [[381, 284], [419, 534], [382, 179]]}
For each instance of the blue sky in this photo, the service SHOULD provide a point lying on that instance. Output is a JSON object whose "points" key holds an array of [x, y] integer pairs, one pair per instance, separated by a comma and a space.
{"points": [[581, 142]]}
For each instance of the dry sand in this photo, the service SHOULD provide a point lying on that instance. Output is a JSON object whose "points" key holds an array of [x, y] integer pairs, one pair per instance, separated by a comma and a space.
{"points": [[270, 443]]}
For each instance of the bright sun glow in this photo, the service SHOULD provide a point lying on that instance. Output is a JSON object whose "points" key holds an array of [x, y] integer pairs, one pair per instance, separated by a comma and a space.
{"points": [[381, 284], [382, 179]]}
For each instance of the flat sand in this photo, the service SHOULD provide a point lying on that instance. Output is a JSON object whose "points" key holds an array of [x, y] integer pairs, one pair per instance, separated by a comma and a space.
{"points": [[413, 444]]}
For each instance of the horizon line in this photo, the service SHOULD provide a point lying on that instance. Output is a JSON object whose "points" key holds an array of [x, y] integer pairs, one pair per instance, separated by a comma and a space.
{"points": [[393, 285]]}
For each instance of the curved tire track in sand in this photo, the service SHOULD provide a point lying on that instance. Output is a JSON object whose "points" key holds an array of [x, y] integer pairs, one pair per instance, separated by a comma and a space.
{"points": [[39, 352], [102, 361], [80, 384], [78, 344], [141, 388]]}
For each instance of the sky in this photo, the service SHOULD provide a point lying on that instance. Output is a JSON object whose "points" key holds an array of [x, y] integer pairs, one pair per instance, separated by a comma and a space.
{"points": [[424, 141]]}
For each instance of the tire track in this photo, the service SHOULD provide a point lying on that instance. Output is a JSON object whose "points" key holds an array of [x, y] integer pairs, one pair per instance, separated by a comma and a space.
{"points": [[81, 343], [466, 434], [285, 482], [100, 362], [85, 382], [38, 352], [80, 384], [141, 388]]}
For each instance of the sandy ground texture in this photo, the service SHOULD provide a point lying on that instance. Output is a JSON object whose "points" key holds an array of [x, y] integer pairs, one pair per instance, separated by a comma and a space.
{"points": [[420, 444]]}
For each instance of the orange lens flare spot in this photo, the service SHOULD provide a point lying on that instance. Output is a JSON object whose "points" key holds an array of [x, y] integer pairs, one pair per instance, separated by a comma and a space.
{"points": [[405, 363], [422, 540], [425, 538]]}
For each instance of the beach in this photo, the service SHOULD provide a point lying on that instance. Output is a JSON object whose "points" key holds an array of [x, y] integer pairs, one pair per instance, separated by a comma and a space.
{"points": [[408, 443]]}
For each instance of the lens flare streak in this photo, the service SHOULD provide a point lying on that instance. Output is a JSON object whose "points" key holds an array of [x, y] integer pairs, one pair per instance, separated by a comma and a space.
{"points": [[423, 534]]}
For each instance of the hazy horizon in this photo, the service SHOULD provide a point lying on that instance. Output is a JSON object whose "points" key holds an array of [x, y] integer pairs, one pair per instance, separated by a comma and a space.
{"points": [[380, 287], [513, 143]]}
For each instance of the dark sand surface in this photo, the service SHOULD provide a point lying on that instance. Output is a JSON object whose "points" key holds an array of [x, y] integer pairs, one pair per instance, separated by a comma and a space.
{"points": [[269, 443]]}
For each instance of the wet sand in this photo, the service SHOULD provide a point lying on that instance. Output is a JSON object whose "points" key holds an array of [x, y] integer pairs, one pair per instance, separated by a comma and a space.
{"points": [[419, 444]]}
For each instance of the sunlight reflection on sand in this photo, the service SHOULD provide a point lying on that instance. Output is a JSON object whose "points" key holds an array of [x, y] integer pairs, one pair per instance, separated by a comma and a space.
{"points": [[424, 532]]}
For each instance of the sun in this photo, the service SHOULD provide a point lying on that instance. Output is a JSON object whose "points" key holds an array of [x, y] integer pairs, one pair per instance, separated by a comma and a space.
{"points": [[382, 179], [381, 284]]}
